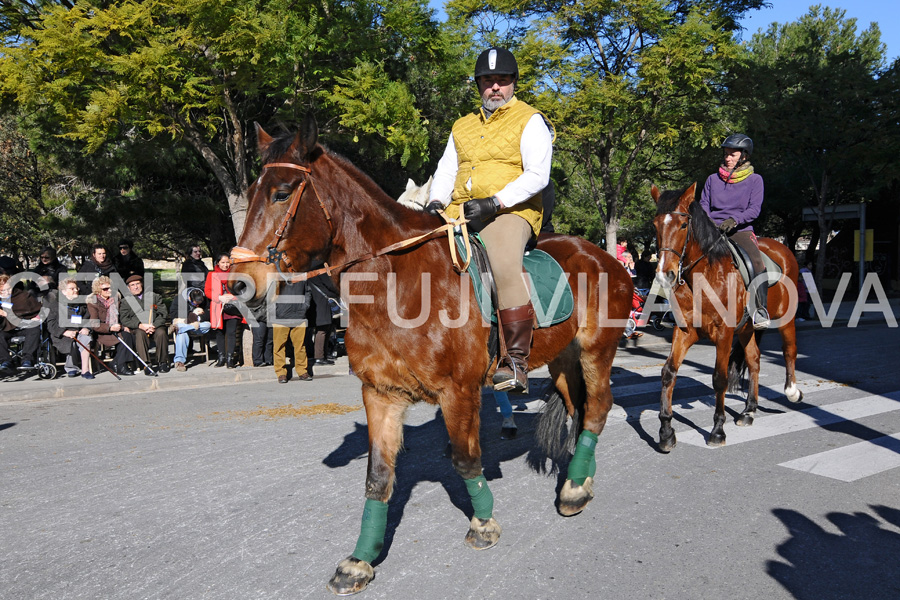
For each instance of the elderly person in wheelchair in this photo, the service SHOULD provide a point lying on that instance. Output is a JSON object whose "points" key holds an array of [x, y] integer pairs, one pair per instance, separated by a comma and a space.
{"points": [[19, 310]]}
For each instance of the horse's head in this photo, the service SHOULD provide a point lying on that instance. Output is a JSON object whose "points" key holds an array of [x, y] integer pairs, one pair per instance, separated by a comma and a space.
{"points": [[287, 226], [416, 196], [673, 227]]}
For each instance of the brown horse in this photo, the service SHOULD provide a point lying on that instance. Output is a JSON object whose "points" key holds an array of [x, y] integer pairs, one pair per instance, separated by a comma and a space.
{"points": [[415, 333], [694, 260]]}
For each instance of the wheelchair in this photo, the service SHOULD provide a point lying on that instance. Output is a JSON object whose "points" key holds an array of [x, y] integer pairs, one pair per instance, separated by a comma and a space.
{"points": [[45, 359]]}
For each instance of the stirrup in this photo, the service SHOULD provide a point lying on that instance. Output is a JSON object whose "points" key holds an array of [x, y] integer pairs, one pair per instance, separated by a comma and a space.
{"points": [[760, 319], [506, 378]]}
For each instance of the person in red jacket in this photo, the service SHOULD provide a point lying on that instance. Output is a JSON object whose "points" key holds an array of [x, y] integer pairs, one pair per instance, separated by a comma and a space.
{"points": [[224, 316]]}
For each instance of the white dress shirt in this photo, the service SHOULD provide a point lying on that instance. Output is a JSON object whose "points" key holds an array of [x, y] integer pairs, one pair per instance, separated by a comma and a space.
{"points": [[536, 147]]}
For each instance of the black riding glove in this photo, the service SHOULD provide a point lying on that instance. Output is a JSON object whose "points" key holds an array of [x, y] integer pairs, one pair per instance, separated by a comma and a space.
{"points": [[727, 225], [433, 207], [479, 211]]}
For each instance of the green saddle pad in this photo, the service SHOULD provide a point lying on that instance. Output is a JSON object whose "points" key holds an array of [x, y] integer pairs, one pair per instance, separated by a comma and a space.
{"points": [[550, 292]]}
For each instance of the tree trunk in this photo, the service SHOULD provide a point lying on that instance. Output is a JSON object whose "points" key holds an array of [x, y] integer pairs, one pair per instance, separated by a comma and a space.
{"points": [[612, 229], [235, 191]]}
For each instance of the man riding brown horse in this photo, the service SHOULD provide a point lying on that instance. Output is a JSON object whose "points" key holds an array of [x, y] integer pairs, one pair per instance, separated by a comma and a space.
{"points": [[496, 163]]}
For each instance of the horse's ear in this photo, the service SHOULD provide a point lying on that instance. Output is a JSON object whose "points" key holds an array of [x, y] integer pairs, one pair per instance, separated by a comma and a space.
{"points": [[263, 139], [654, 192], [687, 197], [308, 135]]}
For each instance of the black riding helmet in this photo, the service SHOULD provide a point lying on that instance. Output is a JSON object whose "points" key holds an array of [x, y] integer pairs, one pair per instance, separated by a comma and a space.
{"points": [[496, 61], [739, 141]]}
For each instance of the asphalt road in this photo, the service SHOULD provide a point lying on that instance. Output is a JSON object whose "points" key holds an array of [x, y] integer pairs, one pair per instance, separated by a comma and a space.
{"points": [[255, 490]]}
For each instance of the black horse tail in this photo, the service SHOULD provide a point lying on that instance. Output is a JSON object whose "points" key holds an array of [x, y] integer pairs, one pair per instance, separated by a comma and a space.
{"points": [[737, 366], [550, 432]]}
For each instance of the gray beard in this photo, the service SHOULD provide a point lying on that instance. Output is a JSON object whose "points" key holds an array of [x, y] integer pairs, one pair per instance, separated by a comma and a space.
{"points": [[491, 105]]}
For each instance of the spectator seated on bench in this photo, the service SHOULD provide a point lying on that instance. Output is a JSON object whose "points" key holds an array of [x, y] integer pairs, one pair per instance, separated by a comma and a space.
{"points": [[190, 318], [65, 324], [144, 315], [103, 309]]}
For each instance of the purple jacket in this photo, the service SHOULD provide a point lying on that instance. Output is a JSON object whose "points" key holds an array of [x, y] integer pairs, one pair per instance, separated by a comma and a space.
{"points": [[740, 201]]}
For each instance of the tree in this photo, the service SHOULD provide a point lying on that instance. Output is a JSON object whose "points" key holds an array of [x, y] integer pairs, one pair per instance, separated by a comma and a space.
{"points": [[201, 71], [816, 108], [23, 181], [625, 83]]}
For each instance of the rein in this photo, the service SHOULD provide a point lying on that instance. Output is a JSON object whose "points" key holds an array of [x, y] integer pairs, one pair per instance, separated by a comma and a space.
{"points": [[682, 270], [274, 256]]}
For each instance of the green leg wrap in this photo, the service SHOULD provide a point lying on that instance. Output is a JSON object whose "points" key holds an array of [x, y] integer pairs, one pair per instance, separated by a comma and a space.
{"points": [[583, 463], [371, 535], [482, 498]]}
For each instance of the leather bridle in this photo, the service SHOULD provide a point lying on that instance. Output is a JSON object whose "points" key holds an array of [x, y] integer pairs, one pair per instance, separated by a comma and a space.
{"points": [[681, 255], [274, 256]]}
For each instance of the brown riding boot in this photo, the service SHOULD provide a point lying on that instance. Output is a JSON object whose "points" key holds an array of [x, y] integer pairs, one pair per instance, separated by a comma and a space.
{"points": [[518, 325]]}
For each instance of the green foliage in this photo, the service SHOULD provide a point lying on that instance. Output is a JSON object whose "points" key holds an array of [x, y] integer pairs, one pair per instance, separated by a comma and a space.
{"points": [[819, 110], [22, 180], [373, 104], [199, 72]]}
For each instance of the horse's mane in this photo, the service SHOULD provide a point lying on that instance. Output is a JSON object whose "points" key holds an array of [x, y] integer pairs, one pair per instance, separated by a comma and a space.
{"points": [[281, 143], [702, 227]]}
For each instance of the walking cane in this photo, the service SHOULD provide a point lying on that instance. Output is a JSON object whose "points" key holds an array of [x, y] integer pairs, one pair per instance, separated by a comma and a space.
{"points": [[141, 360], [97, 358]]}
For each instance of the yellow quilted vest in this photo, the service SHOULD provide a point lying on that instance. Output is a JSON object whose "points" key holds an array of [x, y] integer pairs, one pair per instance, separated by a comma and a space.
{"points": [[489, 158]]}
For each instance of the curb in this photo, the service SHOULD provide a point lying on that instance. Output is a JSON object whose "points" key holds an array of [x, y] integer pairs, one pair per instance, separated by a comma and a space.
{"points": [[203, 375], [61, 388]]}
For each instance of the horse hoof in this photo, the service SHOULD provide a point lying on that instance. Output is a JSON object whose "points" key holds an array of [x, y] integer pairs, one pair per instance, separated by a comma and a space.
{"points": [[716, 440], [483, 533], [667, 444], [351, 577], [744, 420], [793, 393], [574, 498]]}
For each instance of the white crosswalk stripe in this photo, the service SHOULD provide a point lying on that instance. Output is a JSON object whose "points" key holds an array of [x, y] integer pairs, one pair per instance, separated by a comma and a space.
{"points": [[790, 422], [854, 461], [692, 409], [849, 463]]}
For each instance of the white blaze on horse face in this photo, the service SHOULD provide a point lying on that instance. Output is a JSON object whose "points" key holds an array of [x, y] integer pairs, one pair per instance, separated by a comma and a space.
{"points": [[667, 220], [661, 277]]}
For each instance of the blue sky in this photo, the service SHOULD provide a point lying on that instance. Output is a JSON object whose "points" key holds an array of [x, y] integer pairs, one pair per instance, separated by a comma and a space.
{"points": [[884, 12]]}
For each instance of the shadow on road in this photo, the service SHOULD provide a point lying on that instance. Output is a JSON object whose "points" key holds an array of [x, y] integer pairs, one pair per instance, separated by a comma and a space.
{"points": [[424, 458], [816, 356], [6, 426], [857, 562]]}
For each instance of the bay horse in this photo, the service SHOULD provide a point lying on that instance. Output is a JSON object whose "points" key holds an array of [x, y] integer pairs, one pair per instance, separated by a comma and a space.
{"points": [[696, 263], [310, 206]]}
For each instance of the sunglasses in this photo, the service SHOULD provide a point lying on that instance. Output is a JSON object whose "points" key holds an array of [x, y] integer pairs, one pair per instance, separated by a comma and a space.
{"points": [[44, 256], [106, 289], [124, 247]]}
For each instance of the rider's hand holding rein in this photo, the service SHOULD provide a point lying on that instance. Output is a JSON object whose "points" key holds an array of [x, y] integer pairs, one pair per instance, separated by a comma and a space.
{"points": [[727, 225], [479, 211]]}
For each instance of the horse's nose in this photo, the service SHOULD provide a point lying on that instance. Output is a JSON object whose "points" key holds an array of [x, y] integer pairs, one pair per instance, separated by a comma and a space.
{"points": [[237, 287], [665, 278]]}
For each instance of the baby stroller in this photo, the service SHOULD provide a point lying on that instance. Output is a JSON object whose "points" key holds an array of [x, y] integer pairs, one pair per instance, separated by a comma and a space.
{"points": [[659, 320], [45, 359], [638, 318], [635, 317]]}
